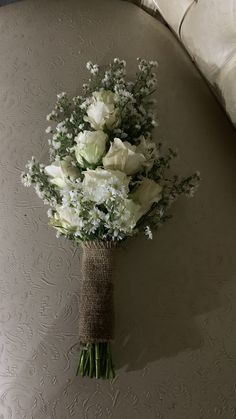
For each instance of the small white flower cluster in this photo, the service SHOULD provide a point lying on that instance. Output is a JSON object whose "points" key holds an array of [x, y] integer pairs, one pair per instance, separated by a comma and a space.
{"points": [[93, 68], [36, 176], [107, 179], [148, 232]]}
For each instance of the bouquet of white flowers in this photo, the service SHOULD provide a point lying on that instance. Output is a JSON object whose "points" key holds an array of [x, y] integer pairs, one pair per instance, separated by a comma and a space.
{"points": [[107, 181]]}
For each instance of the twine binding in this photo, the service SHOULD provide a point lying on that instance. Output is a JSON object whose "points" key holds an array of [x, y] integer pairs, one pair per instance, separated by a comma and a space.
{"points": [[96, 312]]}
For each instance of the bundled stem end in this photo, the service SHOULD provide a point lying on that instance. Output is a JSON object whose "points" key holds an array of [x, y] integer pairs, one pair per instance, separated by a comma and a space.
{"points": [[96, 361]]}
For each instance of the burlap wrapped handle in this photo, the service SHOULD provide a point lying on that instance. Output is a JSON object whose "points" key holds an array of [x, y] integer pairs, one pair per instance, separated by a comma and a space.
{"points": [[96, 311]]}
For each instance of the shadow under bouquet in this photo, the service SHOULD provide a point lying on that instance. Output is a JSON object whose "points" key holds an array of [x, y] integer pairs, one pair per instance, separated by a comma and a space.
{"points": [[107, 181]]}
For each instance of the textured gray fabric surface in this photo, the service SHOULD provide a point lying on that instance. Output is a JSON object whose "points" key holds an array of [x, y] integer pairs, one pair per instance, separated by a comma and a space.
{"points": [[175, 296]]}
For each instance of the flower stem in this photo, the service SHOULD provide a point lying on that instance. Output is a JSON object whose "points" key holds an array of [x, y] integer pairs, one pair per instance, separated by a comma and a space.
{"points": [[96, 361]]}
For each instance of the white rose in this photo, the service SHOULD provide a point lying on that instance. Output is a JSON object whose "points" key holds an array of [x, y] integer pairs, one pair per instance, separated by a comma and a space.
{"points": [[124, 157], [129, 214], [59, 172], [102, 110], [68, 168], [91, 146], [147, 193], [106, 96], [68, 217], [100, 185]]}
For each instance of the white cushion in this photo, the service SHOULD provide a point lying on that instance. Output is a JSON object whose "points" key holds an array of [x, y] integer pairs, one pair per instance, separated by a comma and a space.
{"points": [[226, 82], [208, 31], [173, 11]]}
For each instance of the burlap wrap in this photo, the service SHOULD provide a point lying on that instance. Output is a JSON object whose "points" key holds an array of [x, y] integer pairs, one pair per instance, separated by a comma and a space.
{"points": [[96, 312]]}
